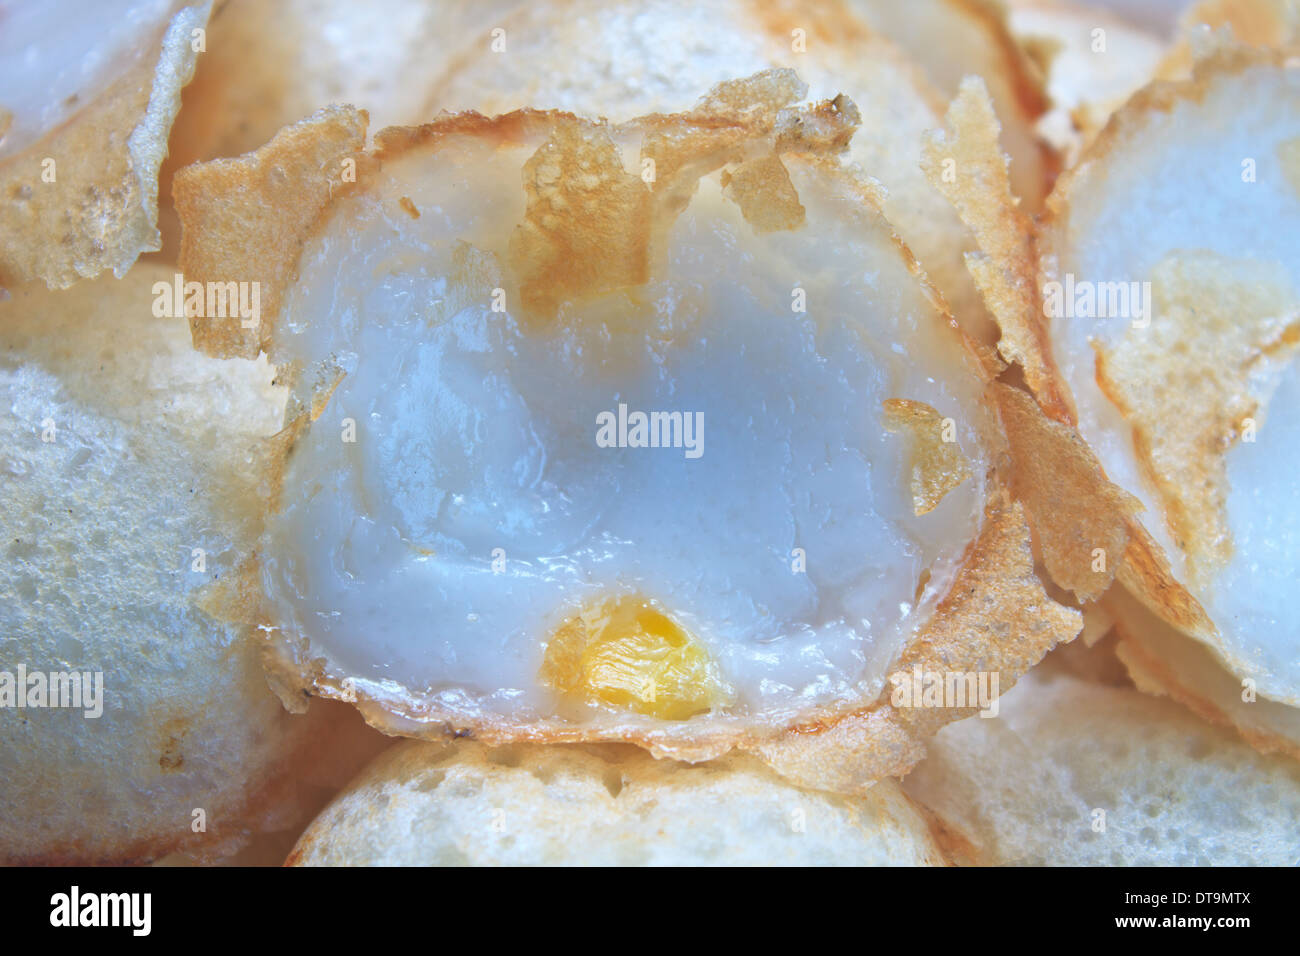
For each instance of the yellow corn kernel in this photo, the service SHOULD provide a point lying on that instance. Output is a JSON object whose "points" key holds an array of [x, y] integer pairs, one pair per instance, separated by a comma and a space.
{"points": [[625, 652]]}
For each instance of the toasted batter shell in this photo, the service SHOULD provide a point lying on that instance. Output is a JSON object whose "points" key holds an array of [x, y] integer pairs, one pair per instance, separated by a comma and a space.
{"points": [[1028, 93], [1086, 83], [156, 445], [1271, 24], [980, 624], [1147, 574], [1025, 789], [997, 616], [271, 62], [986, 48], [1217, 322], [101, 211], [937, 466]]}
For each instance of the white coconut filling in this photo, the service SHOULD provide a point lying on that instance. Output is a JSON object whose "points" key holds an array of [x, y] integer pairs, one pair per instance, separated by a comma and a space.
{"points": [[476, 511], [56, 57], [1253, 595], [1200, 197]]}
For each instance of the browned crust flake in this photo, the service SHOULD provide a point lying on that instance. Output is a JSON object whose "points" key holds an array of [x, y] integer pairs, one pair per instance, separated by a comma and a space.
{"points": [[1146, 573], [937, 465], [1081, 521], [246, 219], [966, 164]]}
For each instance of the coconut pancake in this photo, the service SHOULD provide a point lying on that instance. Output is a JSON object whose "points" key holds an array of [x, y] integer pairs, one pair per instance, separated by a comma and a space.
{"points": [[471, 530], [1170, 274]]}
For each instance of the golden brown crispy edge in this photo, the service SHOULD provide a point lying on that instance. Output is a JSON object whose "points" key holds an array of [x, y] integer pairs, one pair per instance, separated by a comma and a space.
{"points": [[1081, 522], [965, 163]]}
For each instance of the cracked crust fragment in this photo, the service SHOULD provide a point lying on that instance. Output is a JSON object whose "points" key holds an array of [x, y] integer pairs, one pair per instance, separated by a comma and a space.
{"points": [[954, 39], [592, 226], [1072, 508], [245, 219], [937, 464], [965, 163]]}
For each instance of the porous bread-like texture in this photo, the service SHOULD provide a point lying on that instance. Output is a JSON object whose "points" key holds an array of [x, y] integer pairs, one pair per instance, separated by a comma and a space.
{"points": [[1167, 154], [1023, 788], [954, 39], [1000, 616], [964, 163], [1161, 660], [1093, 60], [461, 803], [101, 211], [155, 452], [628, 58]]}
